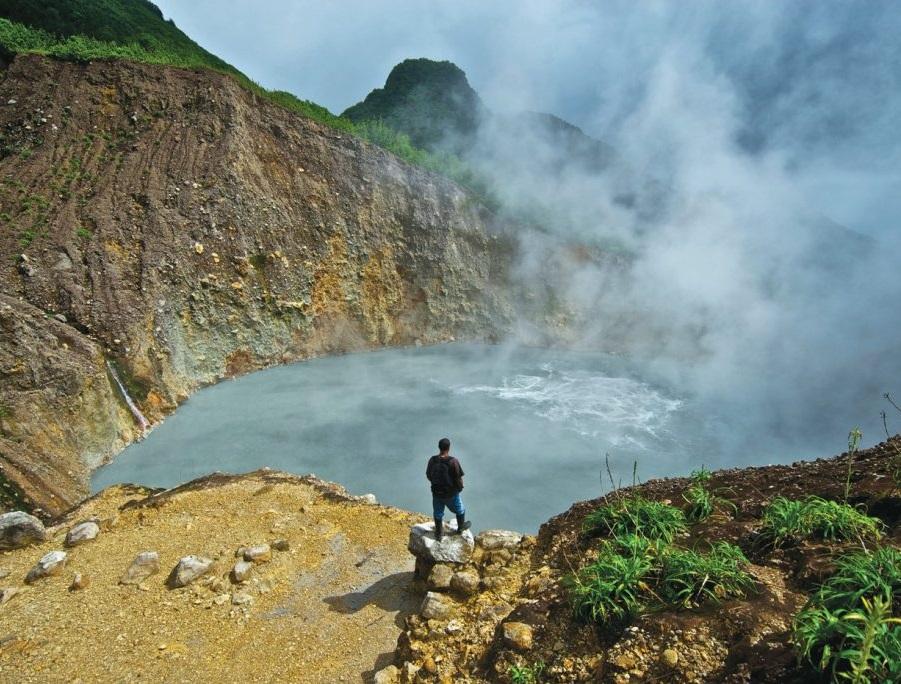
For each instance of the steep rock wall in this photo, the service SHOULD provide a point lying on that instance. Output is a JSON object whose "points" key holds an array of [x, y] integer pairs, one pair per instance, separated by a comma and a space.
{"points": [[177, 225]]}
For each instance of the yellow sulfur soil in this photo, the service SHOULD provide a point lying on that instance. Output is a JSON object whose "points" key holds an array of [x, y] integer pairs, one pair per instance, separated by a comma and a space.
{"points": [[324, 611]]}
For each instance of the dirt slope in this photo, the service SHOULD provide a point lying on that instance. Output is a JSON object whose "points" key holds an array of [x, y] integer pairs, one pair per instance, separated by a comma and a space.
{"points": [[172, 223]]}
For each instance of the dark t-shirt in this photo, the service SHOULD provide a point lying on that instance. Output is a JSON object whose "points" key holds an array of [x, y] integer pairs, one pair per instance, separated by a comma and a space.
{"points": [[456, 473]]}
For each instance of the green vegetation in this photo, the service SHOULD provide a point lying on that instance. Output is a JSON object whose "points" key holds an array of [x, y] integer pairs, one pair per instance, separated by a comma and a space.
{"points": [[636, 515], [430, 101], [689, 578], [527, 674], [702, 503], [816, 518], [84, 233], [89, 30], [638, 567], [848, 628]]}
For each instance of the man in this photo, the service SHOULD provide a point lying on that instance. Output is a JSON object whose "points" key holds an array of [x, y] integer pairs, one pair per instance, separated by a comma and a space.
{"points": [[446, 475]]}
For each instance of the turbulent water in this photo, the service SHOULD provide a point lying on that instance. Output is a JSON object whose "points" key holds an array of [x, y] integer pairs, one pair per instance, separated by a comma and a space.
{"points": [[531, 428]]}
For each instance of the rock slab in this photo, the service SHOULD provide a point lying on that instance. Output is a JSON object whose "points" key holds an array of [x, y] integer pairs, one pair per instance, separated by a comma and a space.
{"points": [[144, 565], [50, 564], [492, 540], [19, 529], [453, 548], [81, 533], [188, 569]]}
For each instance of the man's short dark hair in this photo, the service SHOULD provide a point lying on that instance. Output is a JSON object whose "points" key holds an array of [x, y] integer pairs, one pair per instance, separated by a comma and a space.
{"points": [[444, 444]]}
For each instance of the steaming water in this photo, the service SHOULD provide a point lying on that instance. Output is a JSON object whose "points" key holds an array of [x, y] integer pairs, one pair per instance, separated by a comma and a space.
{"points": [[531, 428]]}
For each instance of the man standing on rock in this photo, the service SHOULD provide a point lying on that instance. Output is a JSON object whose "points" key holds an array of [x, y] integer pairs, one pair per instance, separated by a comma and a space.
{"points": [[446, 475]]}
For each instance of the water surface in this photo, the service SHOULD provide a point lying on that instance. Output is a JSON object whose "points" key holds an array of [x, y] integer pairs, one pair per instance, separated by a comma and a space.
{"points": [[530, 426]]}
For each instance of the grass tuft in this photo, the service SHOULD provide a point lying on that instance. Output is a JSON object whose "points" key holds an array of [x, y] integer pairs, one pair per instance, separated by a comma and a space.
{"points": [[527, 674], [688, 578], [848, 627], [816, 518], [639, 516]]}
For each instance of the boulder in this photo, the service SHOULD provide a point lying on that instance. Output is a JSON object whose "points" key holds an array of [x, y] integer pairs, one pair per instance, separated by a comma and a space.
{"points": [[50, 564], [518, 635], [144, 565], [440, 577], [453, 548], [81, 533], [465, 582], [258, 554], [19, 529], [435, 607], [241, 571], [6, 593], [189, 569], [491, 540]]}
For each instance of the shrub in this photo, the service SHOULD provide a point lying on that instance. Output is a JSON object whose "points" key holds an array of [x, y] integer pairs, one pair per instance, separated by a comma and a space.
{"points": [[847, 626], [636, 515], [816, 518], [611, 588]]}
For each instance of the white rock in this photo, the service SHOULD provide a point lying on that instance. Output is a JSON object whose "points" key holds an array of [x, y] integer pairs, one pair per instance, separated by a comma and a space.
{"points": [[144, 565], [19, 529], [453, 548], [387, 675], [81, 533], [370, 498], [189, 569], [241, 571], [50, 564], [491, 540]]}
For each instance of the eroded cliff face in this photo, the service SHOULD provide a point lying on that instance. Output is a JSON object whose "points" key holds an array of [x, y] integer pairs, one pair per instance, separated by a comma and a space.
{"points": [[176, 225]]}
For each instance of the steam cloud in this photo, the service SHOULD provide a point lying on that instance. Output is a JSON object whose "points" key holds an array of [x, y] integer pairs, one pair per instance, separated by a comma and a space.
{"points": [[747, 138]]}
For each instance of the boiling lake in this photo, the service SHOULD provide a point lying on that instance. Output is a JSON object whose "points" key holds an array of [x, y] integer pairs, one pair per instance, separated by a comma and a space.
{"points": [[530, 426]]}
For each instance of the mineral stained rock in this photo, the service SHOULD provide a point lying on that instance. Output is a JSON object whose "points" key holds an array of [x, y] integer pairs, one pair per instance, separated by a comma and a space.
{"points": [[19, 529]]}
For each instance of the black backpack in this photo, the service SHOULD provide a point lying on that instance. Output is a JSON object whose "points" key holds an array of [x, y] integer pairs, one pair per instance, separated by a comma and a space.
{"points": [[441, 477]]}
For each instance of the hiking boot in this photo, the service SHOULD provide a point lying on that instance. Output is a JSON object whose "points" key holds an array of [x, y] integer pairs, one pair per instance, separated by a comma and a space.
{"points": [[439, 529], [462, 524]]}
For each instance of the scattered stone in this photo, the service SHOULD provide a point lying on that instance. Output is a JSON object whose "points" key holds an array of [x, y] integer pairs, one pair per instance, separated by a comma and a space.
{"points": [[466, 582], [518, 635], [241, 571], [81, 533], [6, 593], [4, 573], [429, 665], [187, 570], [387, 675], [669, 657], [440, 577], [50, 564], [80, 582], [453, 548], [491, 540], [241, 599], [435, 607], [281, 545], [454, 627], [198, 248], [19, 529], [144, 565], [258, 554]]}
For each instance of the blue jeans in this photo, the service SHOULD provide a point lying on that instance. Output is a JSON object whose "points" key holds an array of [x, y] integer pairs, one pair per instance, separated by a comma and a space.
{"points": [[455, 503]]}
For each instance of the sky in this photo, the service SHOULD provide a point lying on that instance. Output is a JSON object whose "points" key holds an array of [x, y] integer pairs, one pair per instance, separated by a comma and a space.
{"points": [[820, 81]]}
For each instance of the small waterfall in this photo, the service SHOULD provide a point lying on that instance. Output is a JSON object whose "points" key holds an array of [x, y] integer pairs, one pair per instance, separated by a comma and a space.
{"points": [[135, 411]]}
